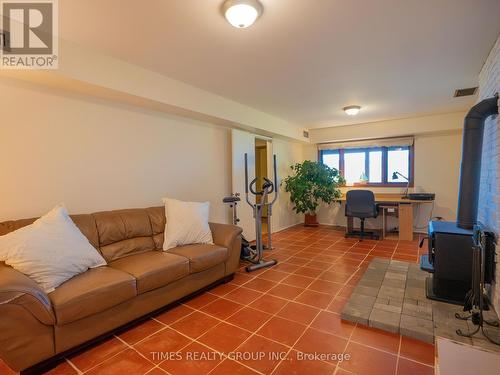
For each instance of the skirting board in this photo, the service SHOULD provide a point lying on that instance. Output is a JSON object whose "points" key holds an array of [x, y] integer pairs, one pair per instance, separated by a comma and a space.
{"points": [[287, 227], [421, 231]]}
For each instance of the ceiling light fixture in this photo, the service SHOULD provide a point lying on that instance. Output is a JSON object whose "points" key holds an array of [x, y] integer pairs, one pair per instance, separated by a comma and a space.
{"points": [[352, 110], [242, 13]]}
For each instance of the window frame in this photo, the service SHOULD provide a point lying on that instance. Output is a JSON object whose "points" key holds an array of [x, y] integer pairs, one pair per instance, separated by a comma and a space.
{"points": [[385, 178]]}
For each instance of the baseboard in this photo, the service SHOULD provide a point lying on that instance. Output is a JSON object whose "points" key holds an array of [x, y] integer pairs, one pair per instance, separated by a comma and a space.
{"points": [[287, 227], [419, 231], [331, 225]]}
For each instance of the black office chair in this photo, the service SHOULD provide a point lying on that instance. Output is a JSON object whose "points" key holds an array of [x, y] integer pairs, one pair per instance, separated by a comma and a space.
{"points": [[361, 204]]}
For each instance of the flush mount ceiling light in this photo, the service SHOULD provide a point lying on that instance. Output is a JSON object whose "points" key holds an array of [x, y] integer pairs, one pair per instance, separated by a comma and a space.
{"points": [[352, 110], [242, 13]]}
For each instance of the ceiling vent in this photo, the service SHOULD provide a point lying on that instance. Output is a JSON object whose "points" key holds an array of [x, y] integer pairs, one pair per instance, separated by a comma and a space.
{"points": [[305, 133], [465, 92]]}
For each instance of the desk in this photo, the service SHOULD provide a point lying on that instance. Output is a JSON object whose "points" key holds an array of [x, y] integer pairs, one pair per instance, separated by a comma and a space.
{"points": [[405, 212]]}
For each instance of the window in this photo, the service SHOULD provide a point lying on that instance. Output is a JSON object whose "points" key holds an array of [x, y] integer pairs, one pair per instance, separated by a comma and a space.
{"points": [[332, 159], [397, 164], [354, 166], [375, 166]]}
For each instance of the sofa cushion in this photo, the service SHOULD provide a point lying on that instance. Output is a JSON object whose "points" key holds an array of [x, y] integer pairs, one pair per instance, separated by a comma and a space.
{"points": [[50, 251], [187, 223], [153, 269], [124, 232], [201, 256], [91, 292]]}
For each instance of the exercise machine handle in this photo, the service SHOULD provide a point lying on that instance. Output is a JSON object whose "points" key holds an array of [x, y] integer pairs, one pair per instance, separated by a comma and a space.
{"points": [[246, 173], [246, 180], [276, 187], [252, 190], [268, 184]]}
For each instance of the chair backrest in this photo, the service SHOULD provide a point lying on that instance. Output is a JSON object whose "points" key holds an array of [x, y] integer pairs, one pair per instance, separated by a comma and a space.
{"points": [[360, 203]]}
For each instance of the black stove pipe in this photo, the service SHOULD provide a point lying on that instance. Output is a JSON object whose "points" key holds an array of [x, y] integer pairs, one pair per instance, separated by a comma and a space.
{"points": [[470, 169]]}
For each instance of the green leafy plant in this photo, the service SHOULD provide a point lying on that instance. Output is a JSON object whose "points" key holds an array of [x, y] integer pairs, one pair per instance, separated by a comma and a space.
{"points": [[311, 183]]}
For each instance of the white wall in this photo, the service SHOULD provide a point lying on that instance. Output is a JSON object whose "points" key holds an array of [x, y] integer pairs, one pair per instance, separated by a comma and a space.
{"points": [[489, 197], [459, 359]]}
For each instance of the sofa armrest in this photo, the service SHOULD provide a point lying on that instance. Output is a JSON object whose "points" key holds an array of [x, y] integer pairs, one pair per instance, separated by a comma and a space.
{"points": [[18, 289], [225, 234], [228, 236]]}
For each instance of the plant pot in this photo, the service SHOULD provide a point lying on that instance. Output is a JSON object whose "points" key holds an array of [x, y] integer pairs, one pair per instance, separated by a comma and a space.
{"points": [[310, 220]]}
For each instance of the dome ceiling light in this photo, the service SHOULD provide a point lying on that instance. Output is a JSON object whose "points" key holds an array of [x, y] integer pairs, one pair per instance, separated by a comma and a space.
{"points": [[352, 110], [242, 13]]}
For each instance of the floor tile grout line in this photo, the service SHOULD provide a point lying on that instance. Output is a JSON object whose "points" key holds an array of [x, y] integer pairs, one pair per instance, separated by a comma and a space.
{"points": [[234, 325], [78, 371], [272, 315], [127, 347], [296, 341], [399, 353], [138, 352], [276, 315], [414, 360], [347, 344]]}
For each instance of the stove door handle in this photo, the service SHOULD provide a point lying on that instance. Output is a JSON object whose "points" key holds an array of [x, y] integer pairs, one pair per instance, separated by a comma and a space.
{"points": [[422, 242]]}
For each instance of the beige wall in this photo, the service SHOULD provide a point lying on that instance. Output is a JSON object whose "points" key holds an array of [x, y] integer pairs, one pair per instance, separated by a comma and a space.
{"points": [[93, 154], [437, 170], [104, 76], [390, 128], [287, 153]]}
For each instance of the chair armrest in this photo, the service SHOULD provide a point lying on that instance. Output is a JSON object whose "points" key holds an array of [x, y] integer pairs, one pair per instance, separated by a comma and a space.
{"points": [[228, 236], [18, 289]]}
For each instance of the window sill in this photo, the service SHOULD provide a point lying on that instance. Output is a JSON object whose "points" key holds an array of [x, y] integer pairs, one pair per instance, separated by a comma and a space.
{"points": [[384, 185]]}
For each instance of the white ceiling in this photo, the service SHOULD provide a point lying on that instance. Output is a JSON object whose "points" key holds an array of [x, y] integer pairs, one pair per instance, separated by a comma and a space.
{"points": [[303, 60]]}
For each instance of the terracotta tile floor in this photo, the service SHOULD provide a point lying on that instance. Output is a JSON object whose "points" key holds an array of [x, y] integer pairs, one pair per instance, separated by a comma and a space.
{"points": [[290, 309]]}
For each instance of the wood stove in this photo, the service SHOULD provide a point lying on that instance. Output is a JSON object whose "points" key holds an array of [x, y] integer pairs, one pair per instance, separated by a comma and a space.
{"points": [[449, 259]]}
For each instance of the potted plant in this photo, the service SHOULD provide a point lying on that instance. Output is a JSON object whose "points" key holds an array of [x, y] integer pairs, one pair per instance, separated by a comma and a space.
{"points": [[310, 184]]}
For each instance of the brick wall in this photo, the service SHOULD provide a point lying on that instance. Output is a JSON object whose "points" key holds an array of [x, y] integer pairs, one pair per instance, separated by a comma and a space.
{"points": [[489, 199]]}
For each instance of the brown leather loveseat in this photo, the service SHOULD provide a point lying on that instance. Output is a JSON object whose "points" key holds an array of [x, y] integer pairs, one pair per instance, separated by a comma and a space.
{"points": [[139, 279]]}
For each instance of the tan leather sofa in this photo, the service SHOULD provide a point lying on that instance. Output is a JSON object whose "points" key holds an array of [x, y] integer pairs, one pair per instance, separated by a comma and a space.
{"points": [[139, 279]]}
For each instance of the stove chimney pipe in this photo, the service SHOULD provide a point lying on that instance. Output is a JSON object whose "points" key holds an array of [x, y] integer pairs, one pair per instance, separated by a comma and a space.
{"points": [[470, 169]]}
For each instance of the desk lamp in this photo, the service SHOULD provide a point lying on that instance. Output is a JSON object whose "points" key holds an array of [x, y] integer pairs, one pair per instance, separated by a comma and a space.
{"points": [[395, 177]]}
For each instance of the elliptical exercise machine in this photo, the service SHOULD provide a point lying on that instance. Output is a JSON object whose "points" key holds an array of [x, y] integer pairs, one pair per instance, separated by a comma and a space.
{"points": [[254, 253], [268, 187]]}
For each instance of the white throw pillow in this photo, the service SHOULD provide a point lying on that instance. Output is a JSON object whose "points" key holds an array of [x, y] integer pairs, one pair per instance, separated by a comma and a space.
{"points": [[50, 251], [187, 223]]}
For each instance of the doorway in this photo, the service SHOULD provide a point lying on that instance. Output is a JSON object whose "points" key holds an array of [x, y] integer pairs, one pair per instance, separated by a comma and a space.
{"points": [[259, 150], [261, 171]]}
